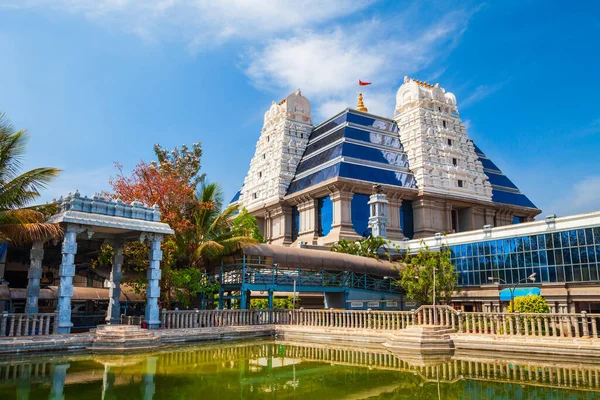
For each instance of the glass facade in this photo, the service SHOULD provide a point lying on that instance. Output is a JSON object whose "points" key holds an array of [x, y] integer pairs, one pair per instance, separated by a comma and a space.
{"points": [[566, 256], [360, 214], [325, 215]]}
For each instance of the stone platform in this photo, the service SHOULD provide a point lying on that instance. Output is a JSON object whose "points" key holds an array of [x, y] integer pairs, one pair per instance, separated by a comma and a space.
{"points": [[424, 339], [118, 338]]}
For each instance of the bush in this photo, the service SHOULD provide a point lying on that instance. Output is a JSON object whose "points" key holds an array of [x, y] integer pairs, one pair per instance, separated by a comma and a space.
{"points": [[287, 303], [533, 303]]}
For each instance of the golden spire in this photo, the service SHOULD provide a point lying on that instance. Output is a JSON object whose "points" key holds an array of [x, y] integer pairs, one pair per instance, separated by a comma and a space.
{"points": [[361, 105]]}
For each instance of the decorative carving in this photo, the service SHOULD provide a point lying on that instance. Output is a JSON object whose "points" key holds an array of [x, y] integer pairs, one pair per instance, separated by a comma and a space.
{"points": [[99, 205], [287, 127], [440, 154]]}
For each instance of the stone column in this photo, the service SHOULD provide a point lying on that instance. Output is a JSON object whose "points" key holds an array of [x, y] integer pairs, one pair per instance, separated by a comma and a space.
{"points": [[394, 230], [151, 317], [308, 221], [341, 227], [113, 315], [281, 225], [34, 275], [66, 271]]}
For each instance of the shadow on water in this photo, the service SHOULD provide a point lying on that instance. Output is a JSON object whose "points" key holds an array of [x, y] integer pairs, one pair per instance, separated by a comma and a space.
{"points": [[292, 370]]}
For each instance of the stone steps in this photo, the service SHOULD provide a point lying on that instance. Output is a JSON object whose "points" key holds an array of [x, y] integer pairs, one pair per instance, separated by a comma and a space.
{"points": [[422, 339], [116, 338]]}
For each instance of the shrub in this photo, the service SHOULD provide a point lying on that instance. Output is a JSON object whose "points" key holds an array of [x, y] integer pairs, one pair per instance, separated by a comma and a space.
{"points": [[533, 303]]}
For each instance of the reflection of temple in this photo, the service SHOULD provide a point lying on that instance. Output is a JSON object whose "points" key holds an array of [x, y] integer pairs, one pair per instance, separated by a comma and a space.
{"points": [[292, 369]]}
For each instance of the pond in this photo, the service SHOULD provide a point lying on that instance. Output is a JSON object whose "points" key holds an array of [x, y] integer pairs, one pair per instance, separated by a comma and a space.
{"points": [[291, 370]]}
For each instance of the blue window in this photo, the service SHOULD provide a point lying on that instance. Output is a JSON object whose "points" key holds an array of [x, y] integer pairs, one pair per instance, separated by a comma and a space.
{"points": [[518, 220], [406, 219], [325, 215], [295, 223], [360, 214]]}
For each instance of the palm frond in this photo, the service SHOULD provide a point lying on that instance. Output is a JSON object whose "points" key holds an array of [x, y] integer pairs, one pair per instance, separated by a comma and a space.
{"points": [[25, 233], [25, 188]]}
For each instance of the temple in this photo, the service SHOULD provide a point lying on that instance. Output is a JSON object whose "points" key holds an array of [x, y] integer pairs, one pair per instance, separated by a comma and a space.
{"points": [[311, 185]]}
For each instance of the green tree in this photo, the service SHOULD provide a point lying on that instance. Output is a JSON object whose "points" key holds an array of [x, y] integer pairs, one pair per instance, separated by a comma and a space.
{"points": [[372, 246], [244, 224], [532, 303], [20, 221], [212, 234], [416, 275]]}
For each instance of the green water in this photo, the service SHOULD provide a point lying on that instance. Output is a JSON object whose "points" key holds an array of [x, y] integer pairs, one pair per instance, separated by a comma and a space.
{"points": [[282, 370]]}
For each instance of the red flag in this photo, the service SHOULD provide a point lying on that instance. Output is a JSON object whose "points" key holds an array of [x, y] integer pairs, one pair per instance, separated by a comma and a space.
{"points": [[361, 83]]}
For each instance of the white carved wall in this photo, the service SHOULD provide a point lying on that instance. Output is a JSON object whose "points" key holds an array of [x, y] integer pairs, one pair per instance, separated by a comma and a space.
{"points": [[421, 110], [282, 141]]}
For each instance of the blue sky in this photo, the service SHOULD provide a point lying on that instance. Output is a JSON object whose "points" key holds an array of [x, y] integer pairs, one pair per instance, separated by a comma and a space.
{"points": [[99, 81]]}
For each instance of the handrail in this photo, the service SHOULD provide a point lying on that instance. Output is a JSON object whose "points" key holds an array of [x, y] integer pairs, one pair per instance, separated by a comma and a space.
{"points": [[31, 324], [580, 325]]}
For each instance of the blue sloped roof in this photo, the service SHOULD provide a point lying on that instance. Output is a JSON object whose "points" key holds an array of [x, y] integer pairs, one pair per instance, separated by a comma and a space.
{"points": [[236, 197], [503, 189], [356, 146]]}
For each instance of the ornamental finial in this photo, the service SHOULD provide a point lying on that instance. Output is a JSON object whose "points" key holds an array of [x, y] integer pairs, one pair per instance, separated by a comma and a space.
{"points": [[361, 105]]}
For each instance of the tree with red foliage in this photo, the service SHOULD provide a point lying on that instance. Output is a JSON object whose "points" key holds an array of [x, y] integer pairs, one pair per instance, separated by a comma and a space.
{"points": [[169, 182]]}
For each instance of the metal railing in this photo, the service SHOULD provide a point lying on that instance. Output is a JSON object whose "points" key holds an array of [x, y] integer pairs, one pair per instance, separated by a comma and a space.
{"points": [[35, 324]]}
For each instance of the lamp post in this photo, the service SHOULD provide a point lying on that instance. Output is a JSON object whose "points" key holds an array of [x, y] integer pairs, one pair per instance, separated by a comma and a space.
{"points": [[513, 287]]}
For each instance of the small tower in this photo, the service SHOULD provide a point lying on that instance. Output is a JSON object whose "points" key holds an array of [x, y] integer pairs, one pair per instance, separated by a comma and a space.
{"points": [[284, 136], [361, 105], [440, 154], [378, 218]]}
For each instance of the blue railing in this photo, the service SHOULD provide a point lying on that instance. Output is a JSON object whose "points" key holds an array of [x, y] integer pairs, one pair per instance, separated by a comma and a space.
{"points": [[272, 276]]}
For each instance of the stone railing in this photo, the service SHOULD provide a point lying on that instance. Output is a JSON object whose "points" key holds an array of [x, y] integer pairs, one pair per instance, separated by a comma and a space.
{"points": [[218, 318], [438, 315], [388, 320], [132, 319], [582, 325], [27, 324], [353, 319]]}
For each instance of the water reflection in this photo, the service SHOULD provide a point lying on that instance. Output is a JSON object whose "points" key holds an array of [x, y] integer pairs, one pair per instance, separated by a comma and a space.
{"points": [[293, 370]]}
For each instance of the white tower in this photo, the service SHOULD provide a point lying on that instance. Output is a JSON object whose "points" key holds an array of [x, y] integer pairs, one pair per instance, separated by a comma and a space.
{"points": [[440, 154], [282, 141], [378, 217]]}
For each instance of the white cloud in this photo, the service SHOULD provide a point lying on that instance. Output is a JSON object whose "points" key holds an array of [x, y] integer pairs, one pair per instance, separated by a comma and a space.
{"points": [[202, 23], [327, 64], [481, 92], [583, 196]]}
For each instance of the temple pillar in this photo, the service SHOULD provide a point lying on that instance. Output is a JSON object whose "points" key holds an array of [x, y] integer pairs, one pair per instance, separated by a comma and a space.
{"points": [[341, 227], [151, 315], [66, 271], [113, 315], [281, 225], [394, 230], [34, 275], [308, 221]]}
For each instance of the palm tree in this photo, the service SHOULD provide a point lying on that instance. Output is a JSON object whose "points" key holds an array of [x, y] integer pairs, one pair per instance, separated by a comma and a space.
{"points": [[21, 222], [212, 235]]}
